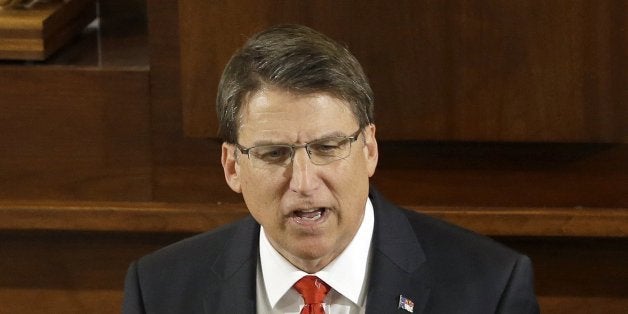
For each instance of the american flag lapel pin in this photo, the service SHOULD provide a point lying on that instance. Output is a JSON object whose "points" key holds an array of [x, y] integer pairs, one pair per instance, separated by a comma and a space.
{"points": [[406, 304]]}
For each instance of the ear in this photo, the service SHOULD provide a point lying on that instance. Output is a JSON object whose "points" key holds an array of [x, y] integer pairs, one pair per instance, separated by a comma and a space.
{"points": [[370, 149], [230, 167]]}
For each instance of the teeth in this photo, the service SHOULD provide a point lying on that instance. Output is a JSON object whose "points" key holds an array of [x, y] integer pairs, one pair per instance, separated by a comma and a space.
{"points": [[311, 214], [317, 216]]}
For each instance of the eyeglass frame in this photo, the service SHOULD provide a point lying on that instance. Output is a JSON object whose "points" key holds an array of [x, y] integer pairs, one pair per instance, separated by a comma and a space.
{"points": [[351, 138]]}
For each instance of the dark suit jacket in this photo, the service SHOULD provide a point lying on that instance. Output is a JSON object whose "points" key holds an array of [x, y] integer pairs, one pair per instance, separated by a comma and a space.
{"points": [[441, 268]]}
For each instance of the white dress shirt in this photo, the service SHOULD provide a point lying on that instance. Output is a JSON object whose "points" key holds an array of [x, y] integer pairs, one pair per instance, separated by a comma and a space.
{"points": [[346, 275]]}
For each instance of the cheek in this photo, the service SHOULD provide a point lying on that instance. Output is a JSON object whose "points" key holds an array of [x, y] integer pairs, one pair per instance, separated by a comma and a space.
{"points": [[349, 182], [357, 170], [260, 190]]}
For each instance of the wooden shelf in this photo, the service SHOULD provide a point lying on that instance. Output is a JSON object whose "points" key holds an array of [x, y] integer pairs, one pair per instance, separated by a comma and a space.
{"points": [[117, 39], [541, 222], [35, 33], [117, 216], [195, 218], [510, 175]]}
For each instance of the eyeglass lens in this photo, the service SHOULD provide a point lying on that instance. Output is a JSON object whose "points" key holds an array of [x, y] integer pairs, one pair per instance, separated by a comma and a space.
{"points": [[320, 152]]}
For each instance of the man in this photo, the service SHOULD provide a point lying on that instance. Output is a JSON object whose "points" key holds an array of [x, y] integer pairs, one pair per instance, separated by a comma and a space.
{"points": [[296, 118]]}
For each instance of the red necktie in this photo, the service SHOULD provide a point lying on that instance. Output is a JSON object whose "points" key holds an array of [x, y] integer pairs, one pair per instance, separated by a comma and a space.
{"points": [[313, 291]]}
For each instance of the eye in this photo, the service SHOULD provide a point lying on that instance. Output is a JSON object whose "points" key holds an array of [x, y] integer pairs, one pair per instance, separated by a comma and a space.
{"points": [[327, 147], [324, 147], [272, 153]]}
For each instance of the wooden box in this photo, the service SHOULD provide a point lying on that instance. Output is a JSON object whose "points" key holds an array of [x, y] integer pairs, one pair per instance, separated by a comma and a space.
{"points": [[37, 32]]}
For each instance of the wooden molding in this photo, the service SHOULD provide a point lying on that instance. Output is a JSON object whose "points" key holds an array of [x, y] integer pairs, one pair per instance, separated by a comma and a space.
{"points": [[530, 221], [194, 218]]}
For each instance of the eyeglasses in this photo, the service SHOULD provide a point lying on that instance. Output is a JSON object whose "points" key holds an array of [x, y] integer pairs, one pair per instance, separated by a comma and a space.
{"points": [[321, 152]]}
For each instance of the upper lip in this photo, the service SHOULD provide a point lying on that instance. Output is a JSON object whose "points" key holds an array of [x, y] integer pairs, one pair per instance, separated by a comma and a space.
{"points": [[307, 207], [303, 204]]}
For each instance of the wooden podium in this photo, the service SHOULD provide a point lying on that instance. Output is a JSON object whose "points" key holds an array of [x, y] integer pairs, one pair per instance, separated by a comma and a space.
{"points": [[37, 32]]}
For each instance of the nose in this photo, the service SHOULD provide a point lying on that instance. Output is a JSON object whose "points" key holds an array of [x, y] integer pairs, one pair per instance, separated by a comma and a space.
{"points": [[304, 179]]}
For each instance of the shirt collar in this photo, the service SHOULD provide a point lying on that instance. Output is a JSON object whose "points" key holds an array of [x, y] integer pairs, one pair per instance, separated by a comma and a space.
{"points": [[342, 274]]}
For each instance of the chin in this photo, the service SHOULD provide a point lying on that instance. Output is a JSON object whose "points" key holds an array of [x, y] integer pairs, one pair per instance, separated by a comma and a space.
{"points": [[315, 253], [308, 249]]}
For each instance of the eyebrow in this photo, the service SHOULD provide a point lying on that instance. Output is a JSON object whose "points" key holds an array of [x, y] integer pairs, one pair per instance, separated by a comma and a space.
{"points": [[324, 136]]}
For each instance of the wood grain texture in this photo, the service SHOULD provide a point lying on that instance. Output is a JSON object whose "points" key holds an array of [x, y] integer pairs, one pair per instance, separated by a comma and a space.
{"points": [[504, 174], [74, 134], [443, 70], [196, 218], [83, 272], [36, 33], [577, 275], [184, 169], [66, 272], [117, 216]]}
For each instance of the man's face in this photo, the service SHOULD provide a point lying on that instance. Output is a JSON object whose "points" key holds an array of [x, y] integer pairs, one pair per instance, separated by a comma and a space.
{"points": [[309, 212]]}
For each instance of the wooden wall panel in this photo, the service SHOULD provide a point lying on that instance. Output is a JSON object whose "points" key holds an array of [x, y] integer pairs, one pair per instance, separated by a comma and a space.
{"points": [[69, 272], [74, 134], [78, 272], [516, 174], [458, 90], [578, 275], [443, 70], [184, 169]]}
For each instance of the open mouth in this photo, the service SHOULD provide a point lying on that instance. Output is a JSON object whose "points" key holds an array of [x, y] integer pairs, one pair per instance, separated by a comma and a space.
{"points": [[309, 215]]}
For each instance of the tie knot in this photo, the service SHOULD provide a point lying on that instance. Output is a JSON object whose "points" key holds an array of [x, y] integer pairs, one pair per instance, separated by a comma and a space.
{"points": [[312, 289]]}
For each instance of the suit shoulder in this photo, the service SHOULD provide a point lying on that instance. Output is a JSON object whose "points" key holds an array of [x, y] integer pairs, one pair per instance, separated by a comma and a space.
{"points": [[437, 235], [196, 251], [196, 265]]}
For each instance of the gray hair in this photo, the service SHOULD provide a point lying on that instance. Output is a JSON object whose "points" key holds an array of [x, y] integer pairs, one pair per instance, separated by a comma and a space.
{"points": [[297, 59]]}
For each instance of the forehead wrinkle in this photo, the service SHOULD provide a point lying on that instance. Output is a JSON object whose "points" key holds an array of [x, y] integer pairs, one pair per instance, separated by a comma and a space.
{"points": [[266, 119]]}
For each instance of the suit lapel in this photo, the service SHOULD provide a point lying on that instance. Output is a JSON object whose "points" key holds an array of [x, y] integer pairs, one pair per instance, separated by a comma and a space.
{"points": [[397, 264], [236, 268]]}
